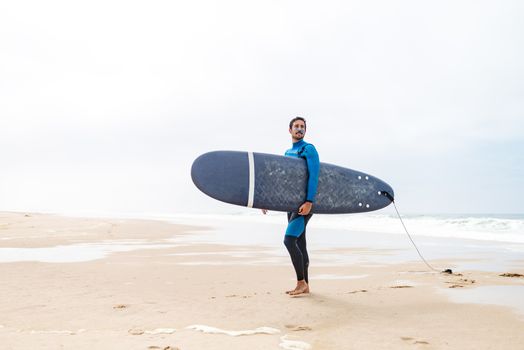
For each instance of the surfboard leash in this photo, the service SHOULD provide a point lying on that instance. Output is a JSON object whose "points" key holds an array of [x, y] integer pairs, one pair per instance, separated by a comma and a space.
{"points": [[390, 197]]}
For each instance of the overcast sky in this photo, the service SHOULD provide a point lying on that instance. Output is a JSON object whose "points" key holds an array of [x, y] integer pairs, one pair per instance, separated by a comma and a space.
{"points": [[105, 104]]}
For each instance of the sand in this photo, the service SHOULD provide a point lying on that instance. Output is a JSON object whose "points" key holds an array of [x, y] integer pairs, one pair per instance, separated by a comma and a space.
{"points": [[155, 293]]}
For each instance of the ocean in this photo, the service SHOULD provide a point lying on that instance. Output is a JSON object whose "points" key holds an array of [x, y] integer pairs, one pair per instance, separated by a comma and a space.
{"points": [[492, 242], [483, 227]]}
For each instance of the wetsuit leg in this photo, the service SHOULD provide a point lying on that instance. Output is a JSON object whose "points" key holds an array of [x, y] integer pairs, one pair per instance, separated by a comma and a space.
{"points": [[295, 242], [302, 246]]}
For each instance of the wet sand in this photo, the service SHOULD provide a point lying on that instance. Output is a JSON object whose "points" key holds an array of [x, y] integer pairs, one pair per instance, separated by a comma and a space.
{"points": [[157, 292]]}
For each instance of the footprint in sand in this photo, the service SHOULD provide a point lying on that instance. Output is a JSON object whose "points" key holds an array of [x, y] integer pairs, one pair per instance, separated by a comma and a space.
{"points": [[517, 275], [136, 331], [409, 339], [358, 291], [238, 296], [461, 283]]}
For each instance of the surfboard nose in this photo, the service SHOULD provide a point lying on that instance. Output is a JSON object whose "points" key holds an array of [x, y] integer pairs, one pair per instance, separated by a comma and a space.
{"points": [[384, 193], [387, 192], [223, 175]]}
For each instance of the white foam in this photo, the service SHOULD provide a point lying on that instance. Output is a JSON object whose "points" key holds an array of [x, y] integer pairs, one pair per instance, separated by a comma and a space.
{"points": [[468, 227], [161, 331], [213, 330], [293, 344], [502, 228]]}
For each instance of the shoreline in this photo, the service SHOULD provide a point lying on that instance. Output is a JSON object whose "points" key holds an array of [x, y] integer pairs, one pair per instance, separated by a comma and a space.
{"points": [[147, 297], [495, 228]]}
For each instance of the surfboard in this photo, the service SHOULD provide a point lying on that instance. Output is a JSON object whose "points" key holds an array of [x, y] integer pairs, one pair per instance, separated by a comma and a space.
{"points": [[273, 182]]}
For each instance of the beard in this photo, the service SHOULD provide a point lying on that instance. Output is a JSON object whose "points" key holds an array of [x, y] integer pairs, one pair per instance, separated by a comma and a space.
{"points": [[298, 136]]}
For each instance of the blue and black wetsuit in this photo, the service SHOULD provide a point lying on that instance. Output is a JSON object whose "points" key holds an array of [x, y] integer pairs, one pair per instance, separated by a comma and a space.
{"points": [[295, 238]]}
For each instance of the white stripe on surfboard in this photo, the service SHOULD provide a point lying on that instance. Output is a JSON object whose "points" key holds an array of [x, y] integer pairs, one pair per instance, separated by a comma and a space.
{"points": [[251, 195]]}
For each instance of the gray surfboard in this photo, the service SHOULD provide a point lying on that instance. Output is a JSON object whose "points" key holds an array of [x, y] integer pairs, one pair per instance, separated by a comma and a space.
{"points": [[278, 183]]}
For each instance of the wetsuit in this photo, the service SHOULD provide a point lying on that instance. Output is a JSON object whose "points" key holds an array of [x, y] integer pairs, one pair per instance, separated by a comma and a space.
{"points": [[295, 238]]}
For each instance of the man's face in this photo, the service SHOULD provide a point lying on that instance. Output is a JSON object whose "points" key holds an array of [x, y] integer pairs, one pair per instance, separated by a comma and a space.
{"points": [[298, 130]]}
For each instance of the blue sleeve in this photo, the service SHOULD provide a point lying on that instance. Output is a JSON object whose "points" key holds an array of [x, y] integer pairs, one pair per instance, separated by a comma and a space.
{"points": [[313, 167]]}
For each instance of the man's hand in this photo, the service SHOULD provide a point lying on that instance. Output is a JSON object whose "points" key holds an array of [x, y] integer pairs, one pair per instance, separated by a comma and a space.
{"points": [[305, 208], [264, 211]]}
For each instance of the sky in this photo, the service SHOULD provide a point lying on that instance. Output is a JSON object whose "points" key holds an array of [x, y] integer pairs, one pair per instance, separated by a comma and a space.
{"points": [[104, 105]]}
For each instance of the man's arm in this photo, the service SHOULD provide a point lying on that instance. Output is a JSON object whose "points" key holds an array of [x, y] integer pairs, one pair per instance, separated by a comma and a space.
{"points": [[313, 167]]}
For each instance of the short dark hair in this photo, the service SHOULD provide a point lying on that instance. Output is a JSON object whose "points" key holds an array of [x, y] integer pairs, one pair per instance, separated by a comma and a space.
{"points": [[295, 119]]}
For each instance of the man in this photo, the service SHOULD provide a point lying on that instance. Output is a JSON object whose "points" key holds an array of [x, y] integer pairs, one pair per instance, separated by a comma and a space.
{"points": [[295, 238]]}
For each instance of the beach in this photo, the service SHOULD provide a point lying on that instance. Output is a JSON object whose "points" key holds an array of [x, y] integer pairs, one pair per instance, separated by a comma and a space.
{"points": [[200, 283]]}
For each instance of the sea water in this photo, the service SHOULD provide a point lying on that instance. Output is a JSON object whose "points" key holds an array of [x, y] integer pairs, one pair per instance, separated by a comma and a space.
{"points": [[492, 242], [483, 242]]}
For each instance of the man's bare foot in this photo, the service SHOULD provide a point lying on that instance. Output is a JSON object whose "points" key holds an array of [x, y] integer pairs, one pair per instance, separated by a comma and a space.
{"points": [[292, 290], [301, 288]]}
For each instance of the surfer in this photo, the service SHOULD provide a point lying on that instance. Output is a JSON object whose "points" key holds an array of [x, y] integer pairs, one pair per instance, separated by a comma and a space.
{"points": [[295, 237]]}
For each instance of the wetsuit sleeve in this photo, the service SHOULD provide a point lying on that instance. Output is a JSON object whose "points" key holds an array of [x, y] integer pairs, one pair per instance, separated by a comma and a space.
{"points": [[313, 167]]}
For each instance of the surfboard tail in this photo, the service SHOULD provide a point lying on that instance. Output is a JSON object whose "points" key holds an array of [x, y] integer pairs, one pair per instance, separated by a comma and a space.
{"points": [[223, 175]]}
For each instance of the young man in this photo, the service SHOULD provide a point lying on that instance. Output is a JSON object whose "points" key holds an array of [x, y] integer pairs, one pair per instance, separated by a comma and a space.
{"points": [[295, 238]]}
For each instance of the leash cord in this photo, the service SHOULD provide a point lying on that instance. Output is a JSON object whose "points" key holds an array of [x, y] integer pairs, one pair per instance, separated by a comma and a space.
{"points": [[411, 239]]}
